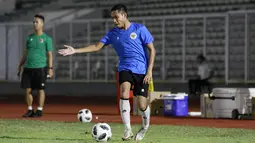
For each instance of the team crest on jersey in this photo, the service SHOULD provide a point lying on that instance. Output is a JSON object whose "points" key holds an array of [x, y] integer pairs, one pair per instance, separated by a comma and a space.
{"points": [[133, 35], [41, 40]]}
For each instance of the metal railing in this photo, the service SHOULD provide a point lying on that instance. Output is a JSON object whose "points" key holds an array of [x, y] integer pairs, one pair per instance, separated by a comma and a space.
{"points": [[226, 39]]}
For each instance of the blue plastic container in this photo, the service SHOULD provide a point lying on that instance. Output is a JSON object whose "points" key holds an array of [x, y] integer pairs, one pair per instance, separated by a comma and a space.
{"points": [[176, 105]]}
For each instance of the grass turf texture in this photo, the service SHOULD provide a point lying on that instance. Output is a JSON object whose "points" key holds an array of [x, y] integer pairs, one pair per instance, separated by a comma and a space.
{"points": [[30, 131]]}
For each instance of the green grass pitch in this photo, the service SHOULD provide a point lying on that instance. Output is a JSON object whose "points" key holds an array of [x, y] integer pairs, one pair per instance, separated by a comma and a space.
{"points": [[31, 131]]}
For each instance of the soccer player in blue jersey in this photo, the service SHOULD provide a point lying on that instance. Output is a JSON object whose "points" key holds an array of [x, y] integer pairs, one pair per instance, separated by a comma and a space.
{"points": [[131, 42]]}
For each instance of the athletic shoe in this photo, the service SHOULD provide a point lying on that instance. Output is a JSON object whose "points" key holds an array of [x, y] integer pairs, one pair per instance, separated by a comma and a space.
{"points": [[128, 135], [140, 134], [38, 113], [30, 113]]}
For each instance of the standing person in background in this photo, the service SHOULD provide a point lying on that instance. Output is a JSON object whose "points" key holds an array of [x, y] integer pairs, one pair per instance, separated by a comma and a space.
{"points": [[204, 74], [38, 62]]}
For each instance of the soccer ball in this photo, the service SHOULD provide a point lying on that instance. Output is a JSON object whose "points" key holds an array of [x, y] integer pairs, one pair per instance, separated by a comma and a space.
{"points": [[84, 116], [108, 128], [101, 132]]}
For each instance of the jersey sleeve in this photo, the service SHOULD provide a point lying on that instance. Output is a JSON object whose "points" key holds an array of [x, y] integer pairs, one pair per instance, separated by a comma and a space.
{"points": [[49, 44], [107, 39], [145, 36]]}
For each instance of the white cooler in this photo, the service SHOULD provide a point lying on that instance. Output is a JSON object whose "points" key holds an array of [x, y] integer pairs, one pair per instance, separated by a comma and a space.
{"points": [[228, 103]]}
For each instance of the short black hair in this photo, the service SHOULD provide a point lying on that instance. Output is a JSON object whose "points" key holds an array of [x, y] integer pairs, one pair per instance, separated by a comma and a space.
{"points": [[119, 8], [39, 16]]}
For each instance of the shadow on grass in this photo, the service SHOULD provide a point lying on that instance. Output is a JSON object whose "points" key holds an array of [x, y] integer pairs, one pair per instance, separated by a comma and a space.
{"points": [[34, 138]]}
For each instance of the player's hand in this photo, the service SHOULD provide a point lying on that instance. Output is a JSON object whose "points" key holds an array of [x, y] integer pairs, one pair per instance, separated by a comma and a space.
{"points": [[19, 70], [148, 77], [68, 51], [50, 73]]}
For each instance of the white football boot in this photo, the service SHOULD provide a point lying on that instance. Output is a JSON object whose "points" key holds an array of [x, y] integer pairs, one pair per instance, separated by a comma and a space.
{"points": [[128, 135], [140, 134]]}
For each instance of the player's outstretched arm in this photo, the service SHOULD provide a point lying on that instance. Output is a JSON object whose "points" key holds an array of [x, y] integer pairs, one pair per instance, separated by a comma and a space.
{"points": [[70, 50]]}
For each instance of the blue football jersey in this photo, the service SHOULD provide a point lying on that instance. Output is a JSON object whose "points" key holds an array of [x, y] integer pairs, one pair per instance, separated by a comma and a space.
{"points": [[130, 45]]}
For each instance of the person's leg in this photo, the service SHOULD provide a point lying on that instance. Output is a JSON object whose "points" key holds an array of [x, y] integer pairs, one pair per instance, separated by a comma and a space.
{"points": [[145, 110], [26, 84], [191, 87], [41, 102], [204, 84], [125, 109], [29, 98], [141, 91], [39, 81], [125, 79], [198, 86], [29, 101], [209, 86]]}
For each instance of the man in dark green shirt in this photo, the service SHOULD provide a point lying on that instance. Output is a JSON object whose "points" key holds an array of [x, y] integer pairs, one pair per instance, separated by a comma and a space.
{"points": [[38, 61]]}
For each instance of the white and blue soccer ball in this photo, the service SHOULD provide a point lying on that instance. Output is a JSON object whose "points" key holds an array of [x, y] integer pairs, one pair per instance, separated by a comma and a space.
{"points": [[84, 115], [108, 128], [101, 132]]}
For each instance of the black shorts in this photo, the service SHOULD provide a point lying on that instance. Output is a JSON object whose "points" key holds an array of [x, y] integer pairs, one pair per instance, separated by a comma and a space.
{"points": [[34, 78], [136, 80]]}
